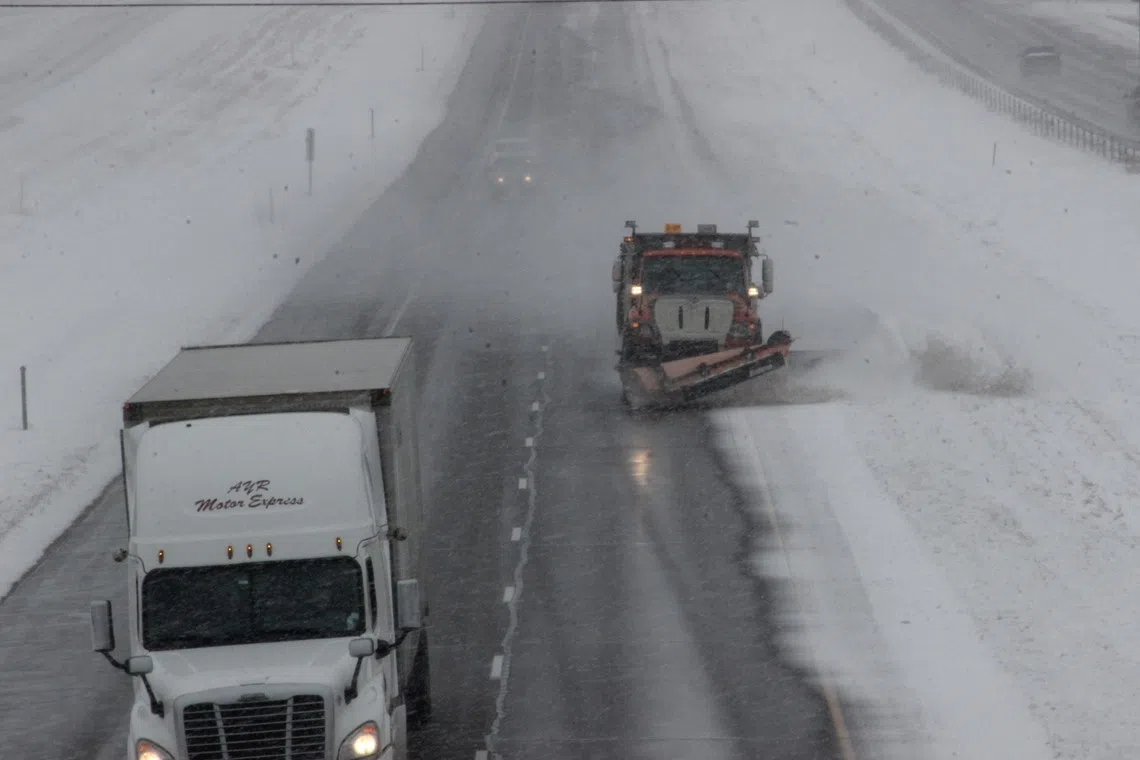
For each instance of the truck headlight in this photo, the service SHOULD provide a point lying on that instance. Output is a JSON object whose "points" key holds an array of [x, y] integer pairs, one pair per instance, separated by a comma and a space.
{"points": [[361, 744], [146, 750]]}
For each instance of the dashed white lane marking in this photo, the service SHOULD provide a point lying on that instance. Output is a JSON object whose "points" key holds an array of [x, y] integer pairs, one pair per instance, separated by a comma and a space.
{"points": [[530, 443], [522, 534], [522, 484], [480, 754], [545, 349], [508, 594], [541, 375]]}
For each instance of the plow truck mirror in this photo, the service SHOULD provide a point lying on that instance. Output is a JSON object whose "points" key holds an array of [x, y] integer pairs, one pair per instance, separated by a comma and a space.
{"points": [[767, 275], [409, 612], [616, 275], [102, 627]]}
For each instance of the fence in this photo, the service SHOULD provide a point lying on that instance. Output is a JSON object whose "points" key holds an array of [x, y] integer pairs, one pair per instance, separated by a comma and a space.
{"points": [[1042, 118]]}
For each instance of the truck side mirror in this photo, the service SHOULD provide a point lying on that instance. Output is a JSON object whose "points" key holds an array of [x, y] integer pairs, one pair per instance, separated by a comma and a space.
{"points": [[140, 665], [408, 609], [102, 627], [617, 275], [767, 274], [361, 647]]}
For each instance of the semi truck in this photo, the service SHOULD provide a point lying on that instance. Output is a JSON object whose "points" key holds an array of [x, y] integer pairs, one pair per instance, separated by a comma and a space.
{"points": [[275, 604]]}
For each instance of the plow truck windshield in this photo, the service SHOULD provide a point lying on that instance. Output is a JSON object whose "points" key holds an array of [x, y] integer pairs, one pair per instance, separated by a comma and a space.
{"points": [[693, 275]]}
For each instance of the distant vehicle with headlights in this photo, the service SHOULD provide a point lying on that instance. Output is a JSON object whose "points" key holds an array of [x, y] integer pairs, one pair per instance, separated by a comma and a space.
{"points": [[274, 520], [512, 166], [1040, 60]]}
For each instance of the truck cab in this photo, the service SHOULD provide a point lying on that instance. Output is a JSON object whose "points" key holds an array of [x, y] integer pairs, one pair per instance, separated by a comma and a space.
{"points": [[685, 294], [273, 602]]}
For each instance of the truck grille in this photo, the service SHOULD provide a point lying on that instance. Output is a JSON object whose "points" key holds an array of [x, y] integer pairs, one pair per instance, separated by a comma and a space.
{"points": [[700, 318], [262, 729]]}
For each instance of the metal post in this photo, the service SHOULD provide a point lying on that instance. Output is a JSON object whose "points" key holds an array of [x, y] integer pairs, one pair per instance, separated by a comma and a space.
{"points": [[24, 395], [310, 153], [372, 123]]}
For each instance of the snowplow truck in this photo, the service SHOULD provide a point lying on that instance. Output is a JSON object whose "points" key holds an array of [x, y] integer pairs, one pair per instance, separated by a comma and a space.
{"points": [[687, 313]]}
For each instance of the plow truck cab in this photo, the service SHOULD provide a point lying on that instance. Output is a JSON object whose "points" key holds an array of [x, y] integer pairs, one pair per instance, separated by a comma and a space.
{"points": [[687, 311]]}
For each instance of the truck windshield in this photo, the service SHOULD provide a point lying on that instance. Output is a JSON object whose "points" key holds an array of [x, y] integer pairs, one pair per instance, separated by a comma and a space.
{"points": [[250, 603], [693, 275]]}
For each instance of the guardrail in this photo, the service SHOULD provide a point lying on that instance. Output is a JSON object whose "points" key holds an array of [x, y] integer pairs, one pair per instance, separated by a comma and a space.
{"points": [[1044, 119]]}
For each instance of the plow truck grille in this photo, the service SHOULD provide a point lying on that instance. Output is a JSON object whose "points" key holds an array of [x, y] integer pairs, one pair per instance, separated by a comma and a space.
{"points": [[692, 319]]}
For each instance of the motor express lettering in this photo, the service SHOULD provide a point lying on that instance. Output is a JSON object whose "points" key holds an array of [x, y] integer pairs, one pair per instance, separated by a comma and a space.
{"points": [[247, 494]]}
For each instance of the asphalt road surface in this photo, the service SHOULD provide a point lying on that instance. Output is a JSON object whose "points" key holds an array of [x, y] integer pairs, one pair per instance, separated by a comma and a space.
{"points": [[990, 34], [588, 589]]}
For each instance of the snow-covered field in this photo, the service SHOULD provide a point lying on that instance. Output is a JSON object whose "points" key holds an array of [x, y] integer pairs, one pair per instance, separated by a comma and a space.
{"points": [[960, 519], [156, 195], [1114, 21]]}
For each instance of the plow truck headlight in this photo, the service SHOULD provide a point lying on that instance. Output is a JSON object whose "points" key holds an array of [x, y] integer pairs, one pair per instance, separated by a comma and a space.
{"points": [[526, 178], [147, 750], [635, 290], [753, 291], [361, 744]]}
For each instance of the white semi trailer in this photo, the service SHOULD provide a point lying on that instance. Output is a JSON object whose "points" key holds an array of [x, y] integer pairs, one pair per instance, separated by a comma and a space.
{"points": [[275, 604]]}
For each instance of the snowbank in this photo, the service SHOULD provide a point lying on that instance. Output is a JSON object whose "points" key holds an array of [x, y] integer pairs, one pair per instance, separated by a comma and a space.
{"points": [[158, 197], [959, 528]]}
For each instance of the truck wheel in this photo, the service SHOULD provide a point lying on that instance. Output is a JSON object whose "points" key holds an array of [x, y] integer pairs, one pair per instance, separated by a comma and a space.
{"points": [[419, 686]]}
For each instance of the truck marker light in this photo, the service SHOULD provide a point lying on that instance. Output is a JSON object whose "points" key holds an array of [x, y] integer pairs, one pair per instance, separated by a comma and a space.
{"points": [[229, 552], [249, 550], [161, 555], [269, 549], [339, 543], [673, 228]]}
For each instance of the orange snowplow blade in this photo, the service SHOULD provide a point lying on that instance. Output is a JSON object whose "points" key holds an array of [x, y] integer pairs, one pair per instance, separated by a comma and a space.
{"points": [[708, 373]]}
